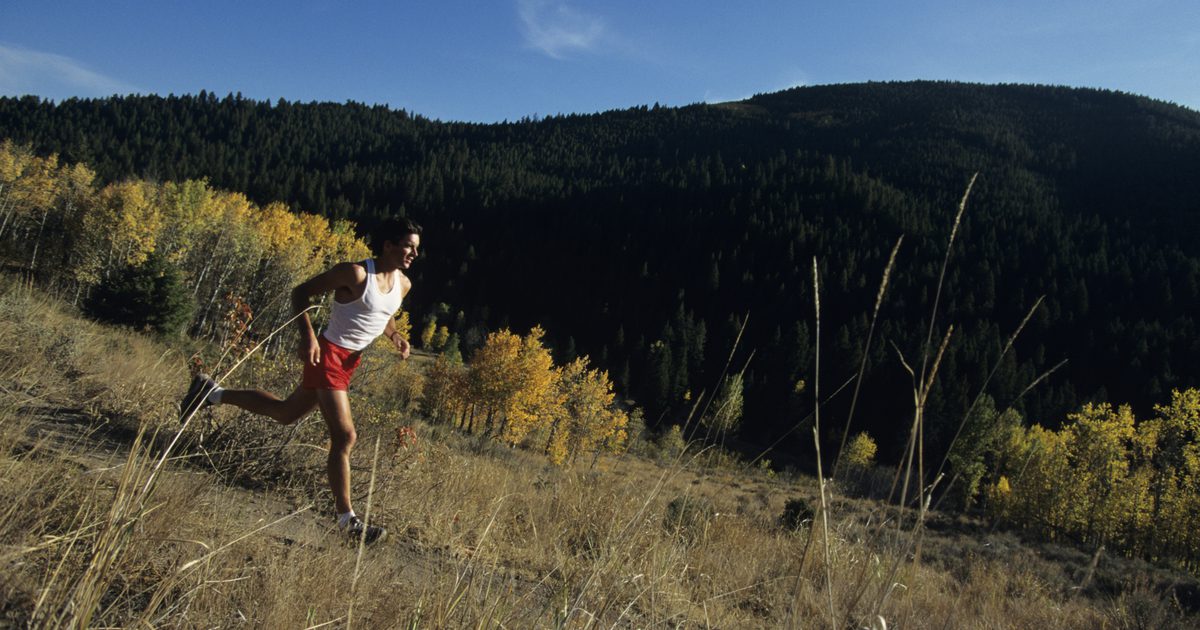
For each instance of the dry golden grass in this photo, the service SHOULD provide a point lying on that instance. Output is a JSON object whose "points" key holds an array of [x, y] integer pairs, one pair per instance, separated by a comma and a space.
{"points": [[232, 530]]}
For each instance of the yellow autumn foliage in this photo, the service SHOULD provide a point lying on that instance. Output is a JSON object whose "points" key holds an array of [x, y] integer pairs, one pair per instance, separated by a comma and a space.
{"points": [[860, 452], [1108, 478], [512, 385], [221, 242]]}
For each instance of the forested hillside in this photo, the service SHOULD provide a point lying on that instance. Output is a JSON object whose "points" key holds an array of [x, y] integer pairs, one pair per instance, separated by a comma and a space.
{"points": [[644, 237]]}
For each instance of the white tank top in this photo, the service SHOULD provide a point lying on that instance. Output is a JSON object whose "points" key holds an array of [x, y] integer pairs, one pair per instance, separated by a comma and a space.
{"points": [[354, 325]]}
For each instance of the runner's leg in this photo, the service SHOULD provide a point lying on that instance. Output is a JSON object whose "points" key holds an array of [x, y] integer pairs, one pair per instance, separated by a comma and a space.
{"points": [[335, 408], [287, 411]]}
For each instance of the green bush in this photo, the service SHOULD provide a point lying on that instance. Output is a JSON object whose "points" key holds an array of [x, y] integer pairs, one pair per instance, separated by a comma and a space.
{"points": [[795, 513], [671, 443], [150, 296]]}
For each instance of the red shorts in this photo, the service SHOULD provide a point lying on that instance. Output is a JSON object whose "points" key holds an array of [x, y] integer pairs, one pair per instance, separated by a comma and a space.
{"points": [[335, 369]]}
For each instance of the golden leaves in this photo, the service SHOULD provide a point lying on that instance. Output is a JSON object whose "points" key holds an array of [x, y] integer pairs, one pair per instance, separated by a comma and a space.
{"points": [[1107, 478], [512, 382], [220, 241]]}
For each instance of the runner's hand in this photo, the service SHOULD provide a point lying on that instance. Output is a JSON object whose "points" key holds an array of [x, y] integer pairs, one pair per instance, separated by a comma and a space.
{"points": [[402, 345], [310, 350]]}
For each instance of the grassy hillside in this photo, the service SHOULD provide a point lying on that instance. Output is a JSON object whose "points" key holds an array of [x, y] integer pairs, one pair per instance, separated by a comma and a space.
{"points": [[114, 516], [621, 230]]}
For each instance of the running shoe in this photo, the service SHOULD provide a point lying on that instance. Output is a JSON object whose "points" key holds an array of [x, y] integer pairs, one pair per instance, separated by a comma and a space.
{"points": [[196, 397], [357, 529]]}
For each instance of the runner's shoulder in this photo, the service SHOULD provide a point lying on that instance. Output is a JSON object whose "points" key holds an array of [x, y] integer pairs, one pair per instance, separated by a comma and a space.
{"points": [[352, 273]]}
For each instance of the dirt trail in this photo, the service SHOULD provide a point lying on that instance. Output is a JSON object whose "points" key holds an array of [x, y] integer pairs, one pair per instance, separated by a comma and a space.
{"points": [[96, 445]]}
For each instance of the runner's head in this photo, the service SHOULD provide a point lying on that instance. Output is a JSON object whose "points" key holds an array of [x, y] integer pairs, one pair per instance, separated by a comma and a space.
{"points": [[395, 230], [396, 242]]}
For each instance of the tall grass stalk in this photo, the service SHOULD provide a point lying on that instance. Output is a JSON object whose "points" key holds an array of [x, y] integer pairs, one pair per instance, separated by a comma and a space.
{"points": [[833, 623], [983, 388], [187, 420], [604, 563], [937, 296], [130, 505], [815, 414], [720, 380], [1036, 445], [465, 576], [915, 451], [166, 586], [79, 603], [362, 537], [800, 423], [913, 460], [923, 383], [883, 284]]}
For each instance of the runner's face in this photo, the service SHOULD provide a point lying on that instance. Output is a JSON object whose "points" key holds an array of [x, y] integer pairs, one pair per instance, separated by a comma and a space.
{"points": [[405, 251]]}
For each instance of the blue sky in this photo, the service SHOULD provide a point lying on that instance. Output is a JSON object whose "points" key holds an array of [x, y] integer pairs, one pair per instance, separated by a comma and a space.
{"points": [[492, 60]]}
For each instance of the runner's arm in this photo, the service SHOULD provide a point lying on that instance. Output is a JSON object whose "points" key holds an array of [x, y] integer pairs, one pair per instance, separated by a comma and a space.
{"points": [[397, 339], [342, 275]]}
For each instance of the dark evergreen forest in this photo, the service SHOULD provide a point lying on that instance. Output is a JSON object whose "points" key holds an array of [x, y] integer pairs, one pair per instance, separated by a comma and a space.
{"points": [[644, 237]]}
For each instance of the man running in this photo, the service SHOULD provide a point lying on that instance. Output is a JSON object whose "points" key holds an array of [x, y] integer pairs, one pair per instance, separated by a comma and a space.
{"points": [[366, 296]]}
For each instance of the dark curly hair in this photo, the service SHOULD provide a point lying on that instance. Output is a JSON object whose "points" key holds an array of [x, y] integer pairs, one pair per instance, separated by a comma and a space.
{"points": [[393, 229]]}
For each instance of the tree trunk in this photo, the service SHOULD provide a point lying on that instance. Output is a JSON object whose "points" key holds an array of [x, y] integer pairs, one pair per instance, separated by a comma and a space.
{"points": [[490, 423], [37, 242], [7, 209], [550, 440], [208, 260]]}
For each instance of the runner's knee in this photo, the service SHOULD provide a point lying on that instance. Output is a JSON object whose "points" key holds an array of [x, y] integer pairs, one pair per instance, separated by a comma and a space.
{"points": [[295, 407], [343, 439]]}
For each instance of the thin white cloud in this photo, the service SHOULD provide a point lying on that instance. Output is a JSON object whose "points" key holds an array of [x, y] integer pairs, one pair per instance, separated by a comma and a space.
{"points": [[557, 29], [713, 97], [24, 71], [791, 78]]}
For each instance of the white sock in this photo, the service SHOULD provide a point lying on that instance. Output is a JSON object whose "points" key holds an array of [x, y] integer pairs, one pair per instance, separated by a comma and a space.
{"points": [[344, 519], [214, 396]]}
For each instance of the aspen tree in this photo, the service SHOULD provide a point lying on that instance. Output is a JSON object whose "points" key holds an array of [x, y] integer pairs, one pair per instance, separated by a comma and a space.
{"points": [[493, 377], [588, 420], [442, 395], [441, 337], [28, 185], [535, 397], [427, 334]]}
